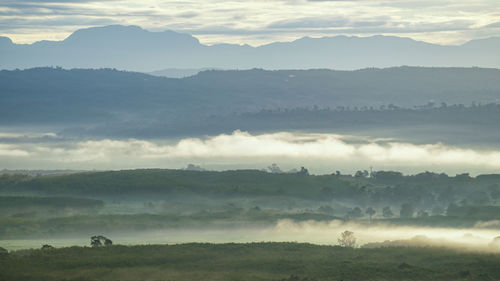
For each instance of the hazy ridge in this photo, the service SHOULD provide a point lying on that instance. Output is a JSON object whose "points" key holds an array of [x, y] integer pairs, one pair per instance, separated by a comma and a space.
{"points": [[107, 102], [136, 49]]}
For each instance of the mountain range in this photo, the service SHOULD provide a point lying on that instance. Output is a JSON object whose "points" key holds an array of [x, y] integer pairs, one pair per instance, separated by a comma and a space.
{"points": [[135, 49]]}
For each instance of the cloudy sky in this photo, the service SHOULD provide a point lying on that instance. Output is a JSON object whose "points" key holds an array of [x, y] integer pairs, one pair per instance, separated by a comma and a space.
{"points": [[256, 22]]}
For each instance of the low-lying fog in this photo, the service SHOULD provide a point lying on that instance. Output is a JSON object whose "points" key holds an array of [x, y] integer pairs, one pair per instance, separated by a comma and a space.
{"points": [[320, 153], [323, 233]]}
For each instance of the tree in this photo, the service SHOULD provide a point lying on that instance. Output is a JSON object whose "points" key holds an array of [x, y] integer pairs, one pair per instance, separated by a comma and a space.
{"points": [[303, 171], [99, 240], [274, 169], [47, 247], [387, 212], [407, 210], [361, 174], [192, 167], [370, 211], [347, 239], [95, 241], [355, 213]]}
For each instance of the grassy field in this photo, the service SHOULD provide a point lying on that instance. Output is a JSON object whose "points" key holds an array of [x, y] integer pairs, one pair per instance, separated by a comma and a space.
{"points": [[254, 261]]}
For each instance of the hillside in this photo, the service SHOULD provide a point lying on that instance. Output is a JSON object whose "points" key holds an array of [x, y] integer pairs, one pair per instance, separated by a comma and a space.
{"points": [[108, 102]]}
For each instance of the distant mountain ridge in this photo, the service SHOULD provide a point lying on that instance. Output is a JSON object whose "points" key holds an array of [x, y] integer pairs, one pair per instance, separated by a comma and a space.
{"points": [[130, 104], [135, 49]]}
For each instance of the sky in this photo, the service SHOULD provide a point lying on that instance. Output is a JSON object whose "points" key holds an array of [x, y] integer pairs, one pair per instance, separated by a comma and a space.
{"points": [[257, 22]]}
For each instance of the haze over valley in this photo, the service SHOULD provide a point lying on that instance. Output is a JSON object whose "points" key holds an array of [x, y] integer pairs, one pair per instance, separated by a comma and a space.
{"points": [[273, 141]]}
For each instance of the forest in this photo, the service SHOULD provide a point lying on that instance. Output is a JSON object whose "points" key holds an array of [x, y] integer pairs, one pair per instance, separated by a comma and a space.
{"points": [[108, 102], [158, 199]]}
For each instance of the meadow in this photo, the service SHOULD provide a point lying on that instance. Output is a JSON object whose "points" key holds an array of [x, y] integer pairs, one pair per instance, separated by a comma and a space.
{"points": [[252, 261]]}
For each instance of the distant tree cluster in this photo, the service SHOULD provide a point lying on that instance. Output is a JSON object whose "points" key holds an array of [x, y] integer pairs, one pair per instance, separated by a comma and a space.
{"points": [[99, 240], [192, 167], [47, 247], [387, 212]]}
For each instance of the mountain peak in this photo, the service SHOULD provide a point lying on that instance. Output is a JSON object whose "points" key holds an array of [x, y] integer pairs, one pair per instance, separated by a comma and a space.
{"points": [[494, 41], [134, 48], [130, 34], [94, 33], [5, 41]]}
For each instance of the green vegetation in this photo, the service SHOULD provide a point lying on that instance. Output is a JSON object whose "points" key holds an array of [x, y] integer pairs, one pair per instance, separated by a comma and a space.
{"points": [[24, 207], [15, 228], [150, 183], [161, 199], [8, 202], [482, 212], [255, 261], [390, 188]]}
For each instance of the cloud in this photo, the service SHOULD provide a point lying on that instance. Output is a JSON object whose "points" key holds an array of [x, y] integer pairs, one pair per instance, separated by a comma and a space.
{"points": [[493, 25], [55, 1], [334, 0], [10, 151], [188, 14], [18, 138], [310, 23], [66, 20], [321, 151], [256, 22]]}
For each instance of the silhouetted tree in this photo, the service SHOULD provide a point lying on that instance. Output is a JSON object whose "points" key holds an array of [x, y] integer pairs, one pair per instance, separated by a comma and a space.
{"points": [[361, 174], [95, 241], [387, 212], [303, 171], [99, 240], [47, 247], [370, 212], [347, 239], [355, 213]]}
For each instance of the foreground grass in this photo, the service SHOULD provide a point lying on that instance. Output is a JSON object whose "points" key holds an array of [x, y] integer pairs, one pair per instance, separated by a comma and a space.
{"points": [[254, 261]]}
